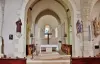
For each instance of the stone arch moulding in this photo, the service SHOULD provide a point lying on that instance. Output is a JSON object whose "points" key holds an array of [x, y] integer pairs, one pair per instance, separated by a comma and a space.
{"points": [[94, 2], [69, 3], [47, 12], [63, 3]]}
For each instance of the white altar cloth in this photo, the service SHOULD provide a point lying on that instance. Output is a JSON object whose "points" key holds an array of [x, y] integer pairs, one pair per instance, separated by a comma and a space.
{"points": [[49, 47]]}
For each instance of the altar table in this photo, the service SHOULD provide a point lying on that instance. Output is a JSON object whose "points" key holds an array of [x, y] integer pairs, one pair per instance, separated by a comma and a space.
{"points": [[49, 47]]}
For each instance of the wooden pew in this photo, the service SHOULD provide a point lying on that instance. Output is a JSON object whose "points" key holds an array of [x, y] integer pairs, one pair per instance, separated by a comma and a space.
{"points": [[12, 61], [85, 60]]}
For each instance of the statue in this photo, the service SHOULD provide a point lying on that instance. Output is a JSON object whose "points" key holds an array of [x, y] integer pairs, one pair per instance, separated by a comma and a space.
{"points": [[18, 23], [96, 25], [79, 26]]}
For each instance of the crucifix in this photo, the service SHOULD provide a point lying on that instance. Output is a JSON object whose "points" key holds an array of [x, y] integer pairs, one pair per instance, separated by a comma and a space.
{"points": [[48, 34]]}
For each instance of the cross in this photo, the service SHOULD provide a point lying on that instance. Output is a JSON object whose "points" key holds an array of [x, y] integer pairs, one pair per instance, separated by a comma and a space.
{"points": [[48, 34]]}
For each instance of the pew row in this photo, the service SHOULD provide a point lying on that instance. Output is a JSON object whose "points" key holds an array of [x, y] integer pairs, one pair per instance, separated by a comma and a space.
{"points": [[12, 61], [85, 60]]}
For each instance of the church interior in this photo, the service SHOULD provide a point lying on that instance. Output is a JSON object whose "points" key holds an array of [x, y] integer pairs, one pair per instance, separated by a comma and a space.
{"points": [[49, 31]]}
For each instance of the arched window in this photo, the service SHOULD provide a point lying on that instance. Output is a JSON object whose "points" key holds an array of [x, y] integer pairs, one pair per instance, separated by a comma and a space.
{"points": [[56, 32], [47, 30]]}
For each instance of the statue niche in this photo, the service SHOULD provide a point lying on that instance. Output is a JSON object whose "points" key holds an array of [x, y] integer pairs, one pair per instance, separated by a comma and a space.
{"points": [[96, 25]]}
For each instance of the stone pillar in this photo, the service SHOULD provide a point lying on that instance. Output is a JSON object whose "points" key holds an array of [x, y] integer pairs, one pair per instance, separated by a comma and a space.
{"points": [[1, 22], [85, 12], [20, 48], [0, 27], [78, 44]]}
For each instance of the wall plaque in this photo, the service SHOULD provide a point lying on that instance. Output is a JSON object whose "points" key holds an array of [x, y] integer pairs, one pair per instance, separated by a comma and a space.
{"points": [[10, 37]]}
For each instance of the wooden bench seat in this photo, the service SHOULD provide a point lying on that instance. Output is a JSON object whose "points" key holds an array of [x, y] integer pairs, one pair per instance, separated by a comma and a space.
{"points": [[86, 60], [12, 61]]}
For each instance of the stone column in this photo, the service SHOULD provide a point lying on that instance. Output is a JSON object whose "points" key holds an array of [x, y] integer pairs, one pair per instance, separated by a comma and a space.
{"points": [[20, 42], [85, 13], [1, 22], [78, 44], [0, 26]]}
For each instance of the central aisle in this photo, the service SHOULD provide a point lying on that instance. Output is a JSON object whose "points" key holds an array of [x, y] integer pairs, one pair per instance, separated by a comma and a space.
{"points": [[50, 58]]}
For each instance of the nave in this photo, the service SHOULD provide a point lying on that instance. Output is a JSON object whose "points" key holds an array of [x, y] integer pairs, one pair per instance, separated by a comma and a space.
{"points": [[62, 31]]}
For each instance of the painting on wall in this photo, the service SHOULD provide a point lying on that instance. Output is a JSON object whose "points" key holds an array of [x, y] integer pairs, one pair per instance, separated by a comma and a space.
{"points": [[96, 25]]}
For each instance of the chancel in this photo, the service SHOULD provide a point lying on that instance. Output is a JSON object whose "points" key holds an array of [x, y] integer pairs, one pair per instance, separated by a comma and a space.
{"points": [[49, 31], [49, 47], [47, 34]]}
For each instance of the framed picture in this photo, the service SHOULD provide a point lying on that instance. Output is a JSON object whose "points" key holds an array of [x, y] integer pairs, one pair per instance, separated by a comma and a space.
{"points": [[10, 37]]}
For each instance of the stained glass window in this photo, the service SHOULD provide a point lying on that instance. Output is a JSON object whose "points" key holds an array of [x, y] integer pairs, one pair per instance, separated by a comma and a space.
{"points": [[47, 30], [56, 32]]}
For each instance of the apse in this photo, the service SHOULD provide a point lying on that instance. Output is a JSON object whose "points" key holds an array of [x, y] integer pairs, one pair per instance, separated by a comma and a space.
{"points": [[52, 22]]}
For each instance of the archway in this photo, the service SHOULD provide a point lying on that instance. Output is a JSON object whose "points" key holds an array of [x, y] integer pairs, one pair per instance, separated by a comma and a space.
{"points": [[46, 17], [62, 3], [47, 12]]}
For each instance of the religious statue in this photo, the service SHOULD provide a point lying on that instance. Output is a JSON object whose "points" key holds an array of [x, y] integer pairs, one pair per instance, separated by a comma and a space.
{"points": [[18, 23], [79, 26], [96, 25]]}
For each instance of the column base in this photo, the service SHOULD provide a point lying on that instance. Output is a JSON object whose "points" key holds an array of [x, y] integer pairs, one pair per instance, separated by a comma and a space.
{"points": [[1, 55], [19, 55]]}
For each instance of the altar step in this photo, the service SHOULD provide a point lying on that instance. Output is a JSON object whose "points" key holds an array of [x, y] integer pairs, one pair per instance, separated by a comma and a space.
{"points": [[48, 61], [48, 53], [50, 58]]}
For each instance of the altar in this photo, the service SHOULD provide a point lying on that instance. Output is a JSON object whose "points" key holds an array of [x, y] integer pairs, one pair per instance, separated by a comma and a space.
{"points": [[48, 47]]}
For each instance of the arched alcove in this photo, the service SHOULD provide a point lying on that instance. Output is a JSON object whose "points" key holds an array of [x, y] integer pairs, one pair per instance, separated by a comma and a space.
{"points": [[53, 23]]}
